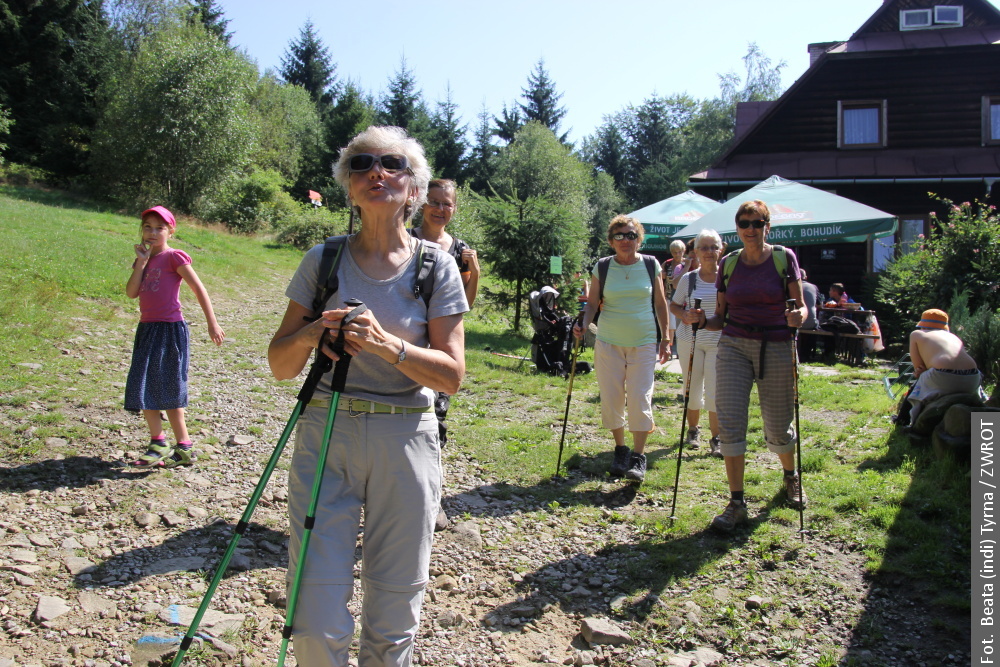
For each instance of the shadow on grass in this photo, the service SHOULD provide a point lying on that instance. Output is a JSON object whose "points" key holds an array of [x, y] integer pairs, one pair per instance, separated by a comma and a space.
{"points": [[926, 565], [72, 472]]}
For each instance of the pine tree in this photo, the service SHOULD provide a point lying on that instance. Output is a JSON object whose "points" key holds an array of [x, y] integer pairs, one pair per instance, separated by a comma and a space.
{"points": [[53, 57], [403, 105], [212, 17], [450, 134], [507, 126], [307, 63], [483, 155], [543, 100]]}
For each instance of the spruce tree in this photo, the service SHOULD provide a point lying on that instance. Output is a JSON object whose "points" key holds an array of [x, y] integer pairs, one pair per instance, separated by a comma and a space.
{"points": [[482, 157], [207, 13], [450, 142], [403, 105], [542, 100], [307, 63], [508, 124]]}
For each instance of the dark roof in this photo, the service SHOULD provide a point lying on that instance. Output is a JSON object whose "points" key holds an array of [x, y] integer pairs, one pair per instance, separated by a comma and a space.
{"points": [[916, 163], [977, 13], [919, 39]]}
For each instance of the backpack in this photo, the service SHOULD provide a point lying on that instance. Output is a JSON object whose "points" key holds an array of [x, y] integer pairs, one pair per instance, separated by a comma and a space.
{"points": [[840, 325], [602, 275], [778, 255], [327, 282], [457, 246]]}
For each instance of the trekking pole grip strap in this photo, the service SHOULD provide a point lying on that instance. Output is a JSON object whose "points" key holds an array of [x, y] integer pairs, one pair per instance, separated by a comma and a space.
{"points": [[339, 380]]}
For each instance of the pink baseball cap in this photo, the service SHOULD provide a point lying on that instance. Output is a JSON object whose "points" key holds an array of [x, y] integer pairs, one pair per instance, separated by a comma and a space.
{"points": [[161, 211]]}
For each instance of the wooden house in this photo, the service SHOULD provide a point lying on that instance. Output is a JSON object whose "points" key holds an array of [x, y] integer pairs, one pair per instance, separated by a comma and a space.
{"points": [[908, 106]]}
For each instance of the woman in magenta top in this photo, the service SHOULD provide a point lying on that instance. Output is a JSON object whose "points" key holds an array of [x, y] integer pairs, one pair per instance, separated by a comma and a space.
{"points": [[756, 347]]}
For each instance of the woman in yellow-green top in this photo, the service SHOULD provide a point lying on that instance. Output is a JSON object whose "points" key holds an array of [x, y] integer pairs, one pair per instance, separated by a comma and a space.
{"points": [[627, 347]]}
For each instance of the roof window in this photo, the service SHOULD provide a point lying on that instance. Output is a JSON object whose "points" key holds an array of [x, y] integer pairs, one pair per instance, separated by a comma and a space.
{"points": [[940, 16]]}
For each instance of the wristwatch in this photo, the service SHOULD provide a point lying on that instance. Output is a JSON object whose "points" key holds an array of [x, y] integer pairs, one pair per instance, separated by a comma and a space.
{"points": [[402, 353]]}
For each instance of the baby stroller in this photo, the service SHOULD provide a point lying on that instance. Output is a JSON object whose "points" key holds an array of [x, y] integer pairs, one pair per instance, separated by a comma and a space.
{"points": [[552, 344]]}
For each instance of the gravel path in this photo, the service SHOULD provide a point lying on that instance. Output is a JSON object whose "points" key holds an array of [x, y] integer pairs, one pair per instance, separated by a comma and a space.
{"points": [[103, 565]]}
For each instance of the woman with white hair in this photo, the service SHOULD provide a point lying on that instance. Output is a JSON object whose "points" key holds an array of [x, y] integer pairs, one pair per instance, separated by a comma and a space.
{"points": [[697, 351], [384, 456]]}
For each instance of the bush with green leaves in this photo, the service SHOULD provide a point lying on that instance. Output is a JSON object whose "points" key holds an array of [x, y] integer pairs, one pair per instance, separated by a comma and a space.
{"points": [[980, 331], [310, 225], [5, 124], [961, 254], [254, 202]]}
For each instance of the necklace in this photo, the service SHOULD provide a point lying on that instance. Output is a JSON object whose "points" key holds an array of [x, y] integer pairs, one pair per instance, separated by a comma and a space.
{"points": [[628, 268]]}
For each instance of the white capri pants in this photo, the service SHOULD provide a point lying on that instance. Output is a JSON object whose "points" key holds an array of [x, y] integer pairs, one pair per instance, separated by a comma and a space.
{"points": [[391, 465], [625, 375], [701, 393], [736, 370]]}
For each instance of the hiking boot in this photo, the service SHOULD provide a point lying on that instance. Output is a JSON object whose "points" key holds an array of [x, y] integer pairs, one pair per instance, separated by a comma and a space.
{"points": [[181, 457], [715, 447], [620, 463], [734, 515], [637, 470], [691, 439], [797, 498]]}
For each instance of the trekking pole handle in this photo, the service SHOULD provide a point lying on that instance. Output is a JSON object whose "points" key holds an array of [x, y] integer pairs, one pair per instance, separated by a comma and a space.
{"points": [[790, 305], [697, 305], [339, 379]]}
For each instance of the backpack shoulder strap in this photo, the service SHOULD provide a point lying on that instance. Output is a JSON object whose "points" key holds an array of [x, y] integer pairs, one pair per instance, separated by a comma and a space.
{"points": [[691, 284], [602, 276], [424, 284], [728, 266], [780, 256], [327, 282]]}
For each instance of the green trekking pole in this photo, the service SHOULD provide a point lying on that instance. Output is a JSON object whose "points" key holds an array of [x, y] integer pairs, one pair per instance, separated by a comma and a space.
{"points": [[337, 383], [320, 366]]}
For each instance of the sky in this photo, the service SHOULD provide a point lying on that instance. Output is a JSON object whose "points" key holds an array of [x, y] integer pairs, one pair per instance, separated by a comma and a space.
{"points": [[601, 55]]}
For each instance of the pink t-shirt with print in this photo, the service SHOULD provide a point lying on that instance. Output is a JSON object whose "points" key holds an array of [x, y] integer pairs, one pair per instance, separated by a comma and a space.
{"points": [[159, 294]]}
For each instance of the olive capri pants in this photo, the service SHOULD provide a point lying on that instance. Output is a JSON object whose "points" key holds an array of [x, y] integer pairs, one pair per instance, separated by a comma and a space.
{"points": [[736, 367]]}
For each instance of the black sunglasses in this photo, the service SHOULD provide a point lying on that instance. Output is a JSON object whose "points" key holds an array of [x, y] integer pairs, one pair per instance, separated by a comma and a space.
{"points": [[631, 236], [757, 224], [391, 162]]}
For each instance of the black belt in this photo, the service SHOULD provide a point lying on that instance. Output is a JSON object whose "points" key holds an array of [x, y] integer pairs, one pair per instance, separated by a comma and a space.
{"points": [[763, 342]]}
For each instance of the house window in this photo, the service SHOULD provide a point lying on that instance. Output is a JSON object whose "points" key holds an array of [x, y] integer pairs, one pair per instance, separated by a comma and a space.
{"points": [[991, 120], [861, 124], [949, 15]]}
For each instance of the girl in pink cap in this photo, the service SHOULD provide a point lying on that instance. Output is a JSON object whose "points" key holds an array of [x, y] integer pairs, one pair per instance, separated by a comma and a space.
{"points": [[157, 379]]}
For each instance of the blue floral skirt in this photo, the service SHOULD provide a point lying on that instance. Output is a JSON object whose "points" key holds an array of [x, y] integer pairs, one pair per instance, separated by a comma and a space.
{"points": [[157, 379]]}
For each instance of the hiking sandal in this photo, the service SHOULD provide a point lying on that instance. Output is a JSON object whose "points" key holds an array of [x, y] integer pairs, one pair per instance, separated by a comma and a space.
{"points": [[181, 457], [154, 455]]}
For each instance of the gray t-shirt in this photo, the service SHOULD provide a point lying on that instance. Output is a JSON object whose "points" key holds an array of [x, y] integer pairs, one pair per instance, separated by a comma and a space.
{"points": [[397, 311], [810, 295]]}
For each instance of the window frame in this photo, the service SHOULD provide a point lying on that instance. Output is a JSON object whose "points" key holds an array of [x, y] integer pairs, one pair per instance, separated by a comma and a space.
{"points": [[951, 24], [989, 101], [916, 12], [844, 105]]}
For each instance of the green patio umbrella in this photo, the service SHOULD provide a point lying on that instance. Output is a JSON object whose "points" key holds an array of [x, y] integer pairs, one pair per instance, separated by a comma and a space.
{"points": [[800, 215], [662, 219]]}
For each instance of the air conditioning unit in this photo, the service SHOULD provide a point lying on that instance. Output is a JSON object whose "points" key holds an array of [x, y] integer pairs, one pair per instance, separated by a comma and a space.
{"points": [[950, 15], [915, 19]]}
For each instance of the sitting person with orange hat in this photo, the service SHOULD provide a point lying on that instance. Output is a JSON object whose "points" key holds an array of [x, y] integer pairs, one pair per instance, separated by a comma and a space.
{"points": [[940, 364]]}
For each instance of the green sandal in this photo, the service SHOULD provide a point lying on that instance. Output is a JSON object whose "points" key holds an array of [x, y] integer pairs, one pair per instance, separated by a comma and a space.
{"points": [[181, 457], [154, 456]]}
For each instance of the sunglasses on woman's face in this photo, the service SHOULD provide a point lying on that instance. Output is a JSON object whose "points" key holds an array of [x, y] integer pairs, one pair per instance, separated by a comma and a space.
{"points": [[391, 162], [757, 224], [631, 236]]}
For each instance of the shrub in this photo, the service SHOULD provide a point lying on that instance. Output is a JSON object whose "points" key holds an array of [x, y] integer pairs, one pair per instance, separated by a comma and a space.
{"points": [[980, 331], [309, 226], [25, 176], [249, 204], [962, 254]]}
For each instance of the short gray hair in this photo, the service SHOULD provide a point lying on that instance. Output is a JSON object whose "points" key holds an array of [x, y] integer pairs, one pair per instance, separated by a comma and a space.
{"points": [[387, 139], [708, 234]]}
